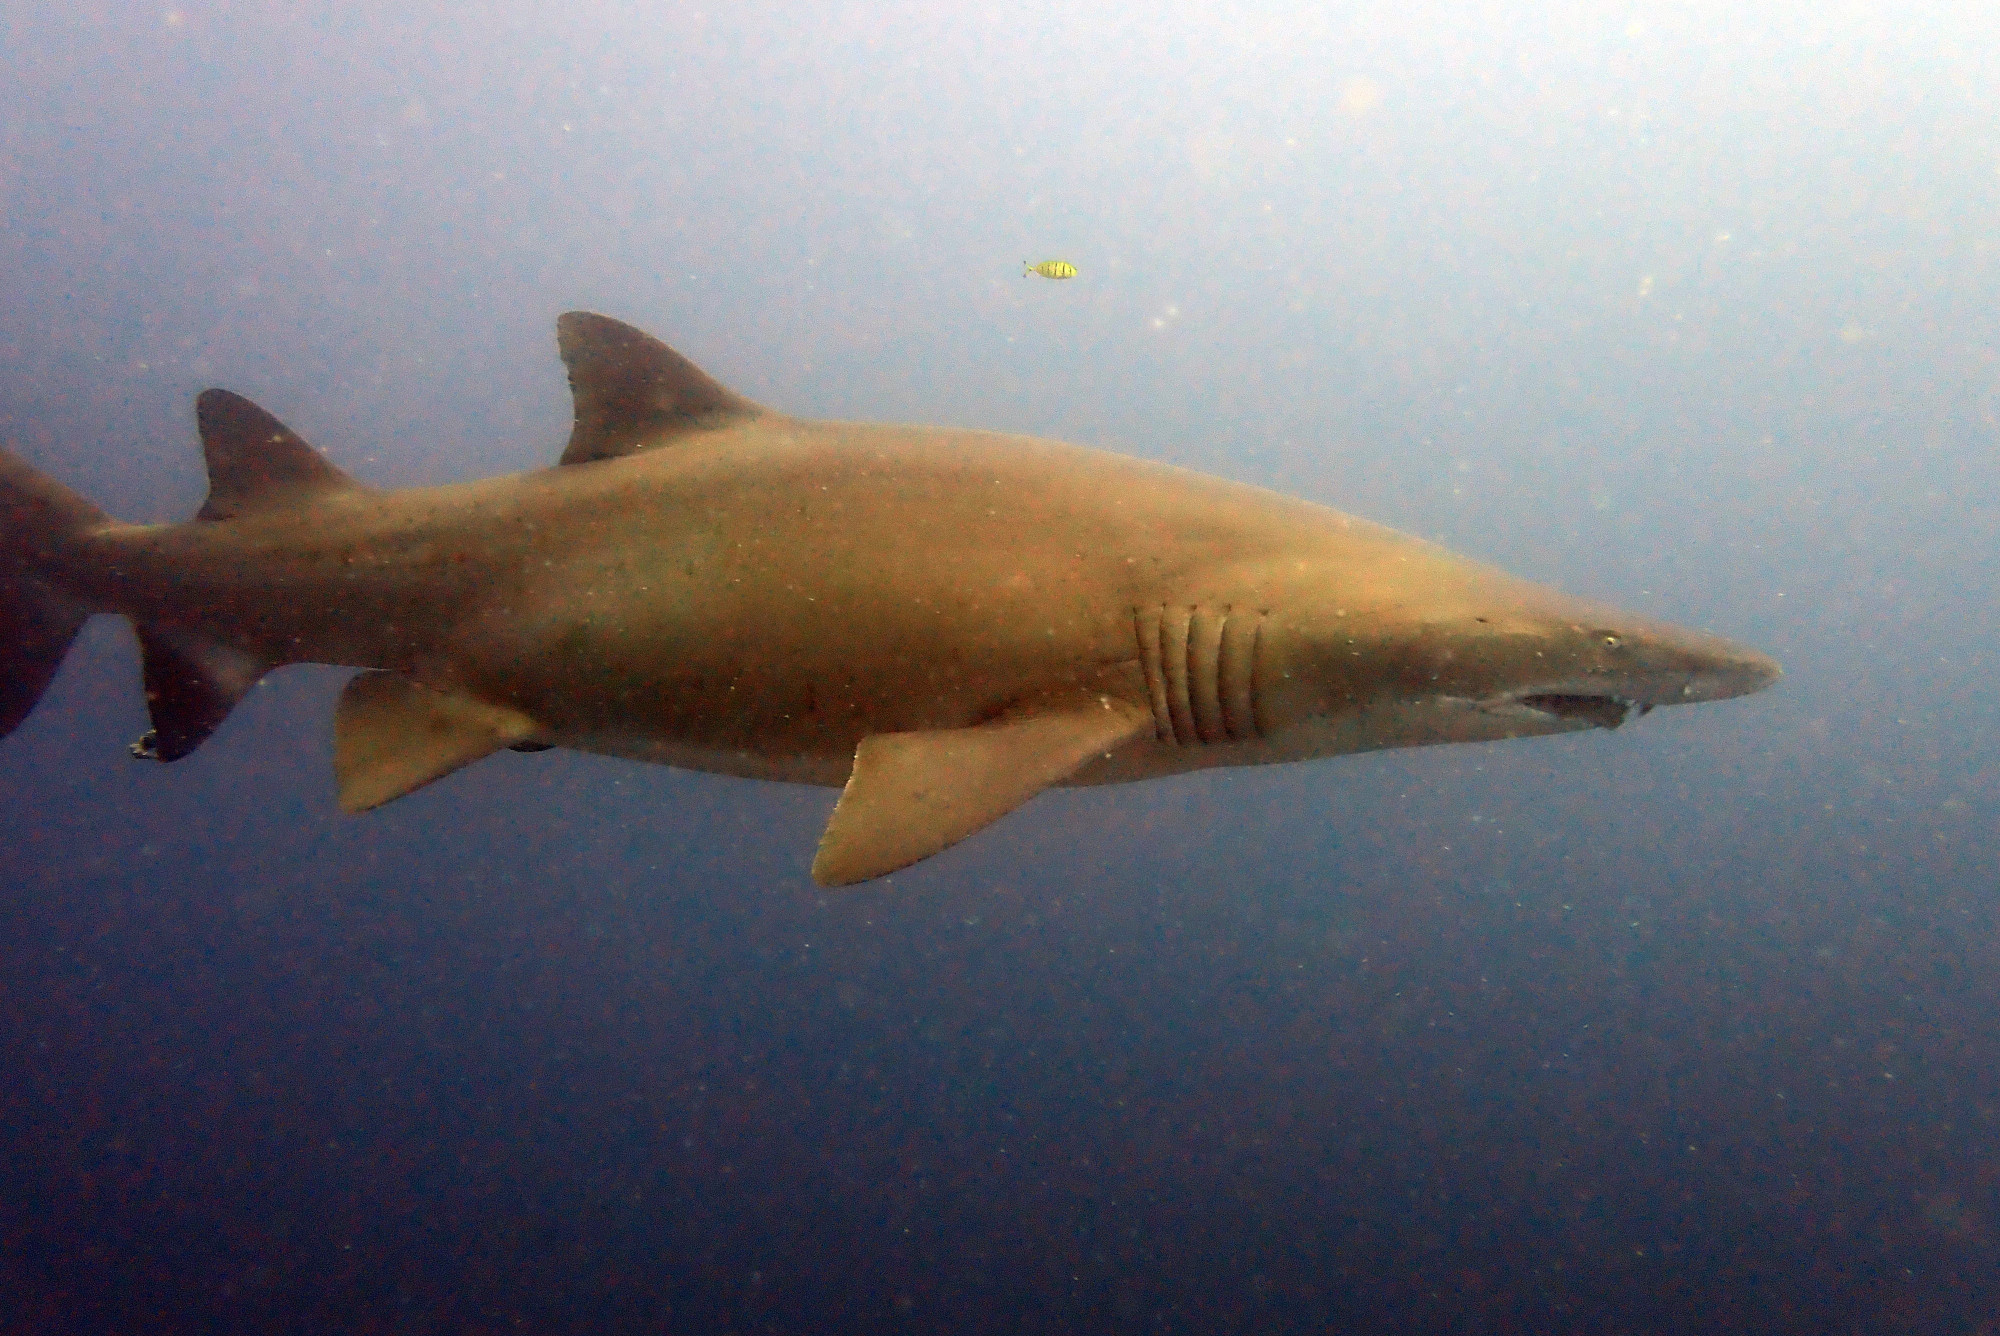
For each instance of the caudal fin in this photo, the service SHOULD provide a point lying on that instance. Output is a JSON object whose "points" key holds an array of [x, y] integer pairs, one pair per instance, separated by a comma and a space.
{"points": [[40, 520], [255, 464]]}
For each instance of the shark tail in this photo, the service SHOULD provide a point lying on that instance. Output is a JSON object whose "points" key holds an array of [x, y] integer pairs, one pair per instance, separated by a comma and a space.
{"points": [[192, 679], [41, 522]]}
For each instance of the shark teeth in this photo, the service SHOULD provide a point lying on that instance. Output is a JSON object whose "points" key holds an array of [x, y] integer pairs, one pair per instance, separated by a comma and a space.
{"points": [[1601, 711]]}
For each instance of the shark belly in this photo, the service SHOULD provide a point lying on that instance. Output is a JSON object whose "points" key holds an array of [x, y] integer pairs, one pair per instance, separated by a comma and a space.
{"points": [[731, 667]]}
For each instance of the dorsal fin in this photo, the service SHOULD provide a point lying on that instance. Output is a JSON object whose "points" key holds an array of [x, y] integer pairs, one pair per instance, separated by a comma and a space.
{"points": [[256, 462], [633, 392]]}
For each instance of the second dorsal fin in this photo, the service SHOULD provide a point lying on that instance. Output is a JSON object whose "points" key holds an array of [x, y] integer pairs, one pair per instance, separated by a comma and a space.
{"points": [[632, 391], [256, 462]]}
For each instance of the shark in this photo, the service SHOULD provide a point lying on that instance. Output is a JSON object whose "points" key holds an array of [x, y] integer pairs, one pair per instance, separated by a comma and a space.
{"points": [[939, 622]]}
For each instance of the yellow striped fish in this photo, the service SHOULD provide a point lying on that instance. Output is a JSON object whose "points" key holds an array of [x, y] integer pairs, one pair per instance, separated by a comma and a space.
{"points": [[1049, 269]]}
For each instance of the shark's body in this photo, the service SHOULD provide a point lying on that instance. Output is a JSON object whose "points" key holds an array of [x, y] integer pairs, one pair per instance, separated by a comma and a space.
{"points": [[943, 621]]}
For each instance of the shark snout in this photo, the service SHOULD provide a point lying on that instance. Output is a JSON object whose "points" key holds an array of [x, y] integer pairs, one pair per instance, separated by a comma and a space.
{"points": [[1685, 667], [1633, 669], [1743, 672]]}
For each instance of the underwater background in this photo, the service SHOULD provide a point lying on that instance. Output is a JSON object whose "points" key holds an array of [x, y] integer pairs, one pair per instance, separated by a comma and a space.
{"points": [[1694, 1026]]}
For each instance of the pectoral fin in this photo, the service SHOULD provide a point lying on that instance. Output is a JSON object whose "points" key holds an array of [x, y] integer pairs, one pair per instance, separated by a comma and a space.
{"points": [[912, 794], [391, 735]]}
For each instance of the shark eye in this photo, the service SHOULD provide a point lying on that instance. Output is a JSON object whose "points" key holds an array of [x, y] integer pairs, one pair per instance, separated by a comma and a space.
{"points": [[1611, 641]]}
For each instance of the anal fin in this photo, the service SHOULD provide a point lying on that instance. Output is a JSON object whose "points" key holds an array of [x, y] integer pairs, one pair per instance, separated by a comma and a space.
{"points": [[192, 683], [913, 794], [392, 735]]}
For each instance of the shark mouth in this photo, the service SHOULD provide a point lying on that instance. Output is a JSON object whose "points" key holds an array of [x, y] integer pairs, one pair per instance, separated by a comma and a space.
{"points": [[1599, 711]]}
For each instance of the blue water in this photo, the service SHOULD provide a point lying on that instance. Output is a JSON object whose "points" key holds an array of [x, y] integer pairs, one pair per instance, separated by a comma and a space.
{"points": [[1689, 1027]]}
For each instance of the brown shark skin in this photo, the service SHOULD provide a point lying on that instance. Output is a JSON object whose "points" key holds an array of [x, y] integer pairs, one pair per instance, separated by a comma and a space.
{"points": [[755, 599], [713, 585]]}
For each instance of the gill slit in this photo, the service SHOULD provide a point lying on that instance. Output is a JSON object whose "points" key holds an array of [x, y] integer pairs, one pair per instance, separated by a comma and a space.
{"points": [[1203, 673], [1146, 623], [1176, 646], [1257, 721]]}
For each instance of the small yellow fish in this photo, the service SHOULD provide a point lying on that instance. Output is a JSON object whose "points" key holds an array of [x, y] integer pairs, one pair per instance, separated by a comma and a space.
{"points": [[1049, 269]]}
